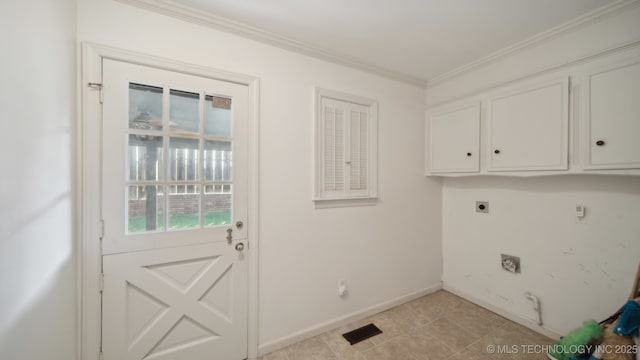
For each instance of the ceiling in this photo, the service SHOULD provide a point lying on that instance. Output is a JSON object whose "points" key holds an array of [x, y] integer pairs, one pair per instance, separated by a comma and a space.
{"points": [[413, 39]]}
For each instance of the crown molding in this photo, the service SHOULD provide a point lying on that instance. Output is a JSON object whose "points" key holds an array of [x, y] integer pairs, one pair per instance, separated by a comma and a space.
{"points": [[616, 49], [170, 8], [572, 25], [173, 9]]}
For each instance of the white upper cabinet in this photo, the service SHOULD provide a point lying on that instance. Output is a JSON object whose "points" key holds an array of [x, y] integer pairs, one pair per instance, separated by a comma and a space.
{"points": [[610, 134], [582, 118], [527, 128], [453, 135]]}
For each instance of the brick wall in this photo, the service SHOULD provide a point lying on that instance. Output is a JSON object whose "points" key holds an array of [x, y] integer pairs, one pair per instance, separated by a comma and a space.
{"points": [[184, 204]]}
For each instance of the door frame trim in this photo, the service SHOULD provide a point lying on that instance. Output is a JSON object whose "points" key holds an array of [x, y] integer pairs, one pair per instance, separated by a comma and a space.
{"points": [[89, 149]]}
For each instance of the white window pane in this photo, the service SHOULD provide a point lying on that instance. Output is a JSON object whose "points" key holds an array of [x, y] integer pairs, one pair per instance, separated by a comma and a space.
{"points": [[184, 114], [145, 158], [184, 207], [217, 116], [218, 160], [184, 159], [217, 208], [145, 107], [145, 208]]}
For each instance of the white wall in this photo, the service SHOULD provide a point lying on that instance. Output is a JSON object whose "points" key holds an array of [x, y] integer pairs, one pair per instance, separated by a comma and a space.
{"points": [[37, 251], [383, 252], [579, 271]]}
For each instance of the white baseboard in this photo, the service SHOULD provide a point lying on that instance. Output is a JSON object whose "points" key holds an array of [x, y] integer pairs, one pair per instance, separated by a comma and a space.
{"points": [[552, 333], [340, 321]]}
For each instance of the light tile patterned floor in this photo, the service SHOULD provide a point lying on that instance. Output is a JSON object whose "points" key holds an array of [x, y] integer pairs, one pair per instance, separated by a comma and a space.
{"points": [[437, 326]]}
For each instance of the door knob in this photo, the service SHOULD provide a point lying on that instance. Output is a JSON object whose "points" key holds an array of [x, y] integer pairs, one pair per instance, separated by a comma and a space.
{"points": [[240, 247]]}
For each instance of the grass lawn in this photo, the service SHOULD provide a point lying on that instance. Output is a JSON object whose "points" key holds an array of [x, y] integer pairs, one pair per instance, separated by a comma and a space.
{"points": [[182, 221]]}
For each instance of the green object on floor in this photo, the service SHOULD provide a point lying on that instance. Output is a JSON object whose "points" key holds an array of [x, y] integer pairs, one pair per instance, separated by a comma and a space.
{"points": [[570, 345]]}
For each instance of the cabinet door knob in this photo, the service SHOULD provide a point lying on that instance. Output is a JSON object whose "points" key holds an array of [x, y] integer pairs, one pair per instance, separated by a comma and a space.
{"points": [[600, 142], [468, 154], [496, 151]]}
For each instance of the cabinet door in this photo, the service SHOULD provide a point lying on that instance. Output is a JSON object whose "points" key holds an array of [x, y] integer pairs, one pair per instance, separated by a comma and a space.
{"points": [[611, 139], [527, 129], [454, 140]]}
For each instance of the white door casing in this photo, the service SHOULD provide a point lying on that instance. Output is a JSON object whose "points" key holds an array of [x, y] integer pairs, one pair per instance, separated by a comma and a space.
{"points": [[171, 294]]}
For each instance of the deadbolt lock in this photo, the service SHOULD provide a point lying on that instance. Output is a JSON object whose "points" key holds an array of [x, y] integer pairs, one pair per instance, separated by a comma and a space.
{"points": [[239, 224], [229, 236]]}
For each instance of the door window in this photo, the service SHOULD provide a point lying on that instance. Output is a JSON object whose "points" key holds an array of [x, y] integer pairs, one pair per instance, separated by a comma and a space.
{"points": [[179, 160]]}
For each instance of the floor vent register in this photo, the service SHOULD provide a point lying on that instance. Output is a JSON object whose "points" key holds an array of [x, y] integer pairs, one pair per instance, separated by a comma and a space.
{"points": [[360, 334]]}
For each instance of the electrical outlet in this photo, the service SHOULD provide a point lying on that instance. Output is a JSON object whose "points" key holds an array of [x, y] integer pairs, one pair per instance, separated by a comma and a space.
{"points": [[581, 214], [342, 289], [482, 207], [510, 263]]}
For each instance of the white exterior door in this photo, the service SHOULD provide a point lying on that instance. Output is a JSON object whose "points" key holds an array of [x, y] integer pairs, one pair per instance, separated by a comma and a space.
{"points": [[174, 204]]}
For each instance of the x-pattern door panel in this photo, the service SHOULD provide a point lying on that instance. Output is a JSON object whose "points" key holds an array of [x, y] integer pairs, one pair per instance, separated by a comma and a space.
{"points": [[166, 304]]}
